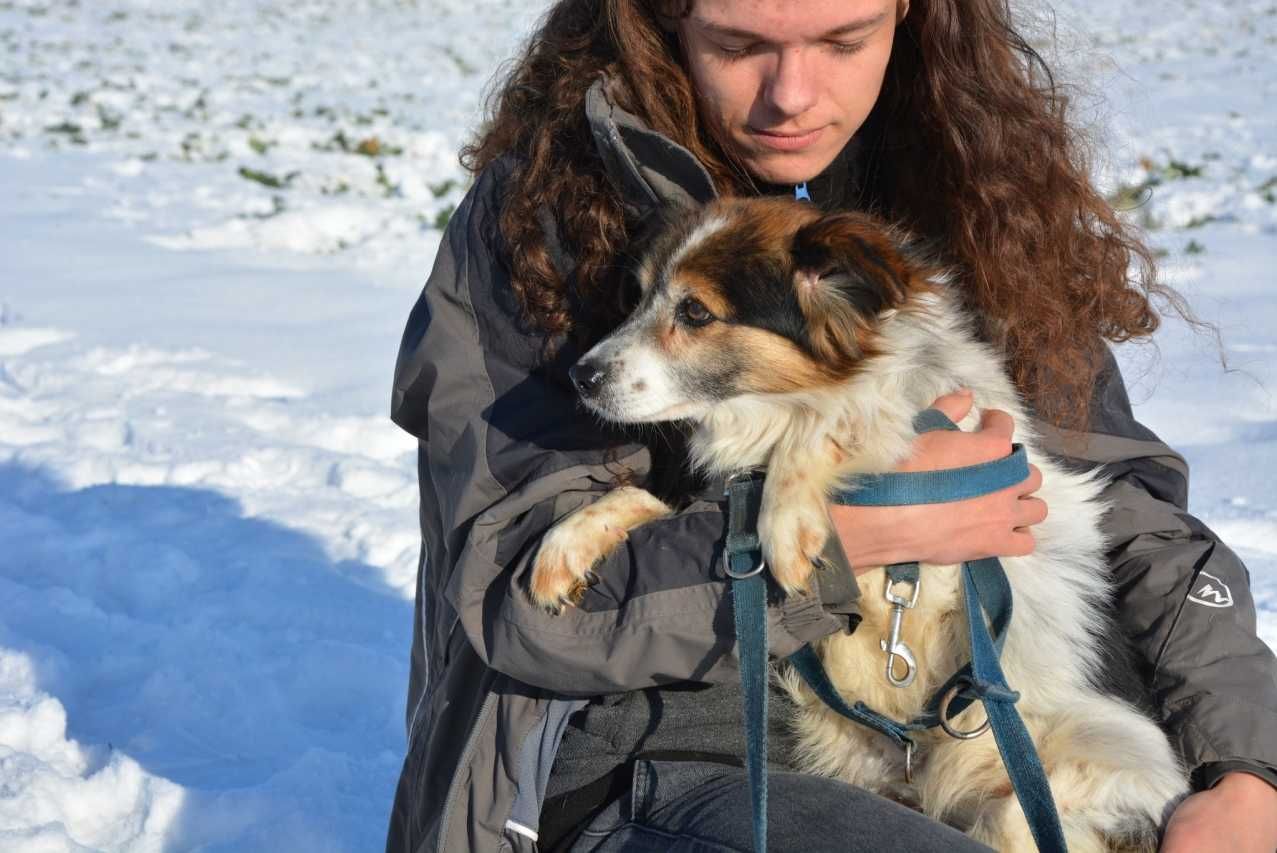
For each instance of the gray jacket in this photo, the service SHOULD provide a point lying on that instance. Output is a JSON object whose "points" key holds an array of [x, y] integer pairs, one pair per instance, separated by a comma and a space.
{"points": [[504, 452]]}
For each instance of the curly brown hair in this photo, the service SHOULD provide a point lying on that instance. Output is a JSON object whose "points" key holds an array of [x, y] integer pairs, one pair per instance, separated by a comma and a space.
{"points": [[973, 148]]}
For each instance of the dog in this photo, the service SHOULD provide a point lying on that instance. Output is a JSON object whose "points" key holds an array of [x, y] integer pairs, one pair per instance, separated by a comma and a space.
{"points": [[805, 343]]}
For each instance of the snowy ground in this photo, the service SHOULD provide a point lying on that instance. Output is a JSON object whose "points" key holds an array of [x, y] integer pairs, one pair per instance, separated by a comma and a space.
{"points": [[215, 220]]}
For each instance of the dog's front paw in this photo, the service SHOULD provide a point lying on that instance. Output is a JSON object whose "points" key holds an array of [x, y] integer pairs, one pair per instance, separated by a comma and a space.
{"points": [[793, 530], [561, 572]]}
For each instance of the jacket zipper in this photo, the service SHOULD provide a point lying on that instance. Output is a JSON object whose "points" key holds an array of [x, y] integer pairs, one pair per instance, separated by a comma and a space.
{"points": [[467, 752]]}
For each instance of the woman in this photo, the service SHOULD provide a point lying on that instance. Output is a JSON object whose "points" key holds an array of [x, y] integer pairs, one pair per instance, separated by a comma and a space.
{"points": [[616, 725]]}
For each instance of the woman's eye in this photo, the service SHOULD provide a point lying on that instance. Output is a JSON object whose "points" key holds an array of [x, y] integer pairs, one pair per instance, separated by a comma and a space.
{"points": [[693, 312], [846, 48], [736, 52]]}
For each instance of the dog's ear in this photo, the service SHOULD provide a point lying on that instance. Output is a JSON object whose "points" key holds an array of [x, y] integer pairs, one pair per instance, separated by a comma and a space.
{"points": [[847, 271]]}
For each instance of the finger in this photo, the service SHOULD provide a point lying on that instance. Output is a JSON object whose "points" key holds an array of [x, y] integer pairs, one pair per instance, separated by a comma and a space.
{"points": [[1031, 483], [956, 405], [997, 422], [1020, 544], [1030, 511]]}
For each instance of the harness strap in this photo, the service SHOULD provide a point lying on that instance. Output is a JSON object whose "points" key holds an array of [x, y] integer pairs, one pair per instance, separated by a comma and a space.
{"points": [[807, 663], [904, 573], [986, 591]]}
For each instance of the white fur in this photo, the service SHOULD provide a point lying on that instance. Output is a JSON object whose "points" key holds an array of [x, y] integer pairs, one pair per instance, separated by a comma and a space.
{"points": [[703, 231]]}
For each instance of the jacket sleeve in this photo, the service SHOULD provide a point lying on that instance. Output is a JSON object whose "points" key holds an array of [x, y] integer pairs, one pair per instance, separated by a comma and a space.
{"points": [[1182, 596], [505, 452]]}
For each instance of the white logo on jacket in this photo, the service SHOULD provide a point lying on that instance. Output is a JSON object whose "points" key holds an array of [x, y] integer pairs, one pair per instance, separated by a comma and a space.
{"points": [[1213, 592]]}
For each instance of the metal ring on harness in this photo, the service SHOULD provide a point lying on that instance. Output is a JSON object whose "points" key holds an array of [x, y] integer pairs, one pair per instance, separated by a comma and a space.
{"points": [[727, 567], [943, 713], [732, 548]]}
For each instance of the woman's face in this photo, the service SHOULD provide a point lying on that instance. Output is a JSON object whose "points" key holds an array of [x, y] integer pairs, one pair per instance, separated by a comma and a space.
{"points": [[785, 83]]}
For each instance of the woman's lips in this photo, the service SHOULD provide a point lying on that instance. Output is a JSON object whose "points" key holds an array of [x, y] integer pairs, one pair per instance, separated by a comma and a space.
{"points": [[786, 141]]}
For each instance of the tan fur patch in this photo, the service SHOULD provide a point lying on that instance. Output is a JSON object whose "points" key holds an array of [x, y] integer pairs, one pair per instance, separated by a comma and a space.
{"points": [[774, 365], [577, 543]]}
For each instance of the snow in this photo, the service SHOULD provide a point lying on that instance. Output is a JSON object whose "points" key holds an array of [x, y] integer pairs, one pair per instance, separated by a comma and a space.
{"points": [[215, 220]]}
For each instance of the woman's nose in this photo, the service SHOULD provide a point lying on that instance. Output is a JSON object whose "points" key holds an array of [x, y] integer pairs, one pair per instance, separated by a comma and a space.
{"points": [[791, 89]]}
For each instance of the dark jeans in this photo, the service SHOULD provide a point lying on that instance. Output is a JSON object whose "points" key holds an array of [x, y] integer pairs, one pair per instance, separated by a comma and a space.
{"points": [[695, 807]]}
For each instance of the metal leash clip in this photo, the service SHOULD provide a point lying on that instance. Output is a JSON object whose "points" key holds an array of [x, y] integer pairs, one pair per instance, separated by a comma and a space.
{"points": [[893, 645]]}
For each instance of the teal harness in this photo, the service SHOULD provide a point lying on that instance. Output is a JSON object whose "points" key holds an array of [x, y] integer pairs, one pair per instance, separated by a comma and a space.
{"points": [[986, 591]]}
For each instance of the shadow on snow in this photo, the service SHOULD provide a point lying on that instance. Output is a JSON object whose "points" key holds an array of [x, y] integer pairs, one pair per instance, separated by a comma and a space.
{"points": [[228, 654]]}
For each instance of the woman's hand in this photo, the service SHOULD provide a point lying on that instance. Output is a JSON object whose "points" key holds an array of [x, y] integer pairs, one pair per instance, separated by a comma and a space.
{"points": [[1238, 815], [994, 525]]}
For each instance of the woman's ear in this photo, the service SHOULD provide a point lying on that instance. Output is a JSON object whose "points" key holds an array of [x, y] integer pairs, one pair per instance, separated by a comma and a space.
{"points": [[902, 9]]}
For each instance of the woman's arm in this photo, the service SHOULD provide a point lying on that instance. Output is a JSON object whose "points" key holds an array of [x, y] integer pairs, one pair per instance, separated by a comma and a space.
{"points": [[1182, 596], [1184, 599]]}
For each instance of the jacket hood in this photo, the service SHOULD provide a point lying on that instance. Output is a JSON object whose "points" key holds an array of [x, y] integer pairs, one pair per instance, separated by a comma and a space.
{"points": [[648, 169]]}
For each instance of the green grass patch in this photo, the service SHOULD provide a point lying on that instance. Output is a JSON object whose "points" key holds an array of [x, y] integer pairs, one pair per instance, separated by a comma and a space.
{"points": [[1173, 170], [1199, 221], [108, 119], [266, 179], [1128, 197], [388, 189], [1268, 190], [70, 130], [369, 146], [443, 188]]}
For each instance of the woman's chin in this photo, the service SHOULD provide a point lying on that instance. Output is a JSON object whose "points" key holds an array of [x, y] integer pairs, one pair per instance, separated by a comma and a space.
{"points": [[787, 167]]}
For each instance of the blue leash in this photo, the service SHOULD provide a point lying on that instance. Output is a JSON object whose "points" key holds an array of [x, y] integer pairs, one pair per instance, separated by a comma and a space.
{"points": [[744, 565], [986, 590]]}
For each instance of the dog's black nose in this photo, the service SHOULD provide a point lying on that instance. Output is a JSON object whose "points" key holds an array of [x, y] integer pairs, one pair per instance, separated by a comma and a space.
{"points": [[587, 377]]}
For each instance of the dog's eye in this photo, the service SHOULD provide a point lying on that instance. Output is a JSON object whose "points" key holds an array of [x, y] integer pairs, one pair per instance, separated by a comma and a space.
{"points": [[693, 312]]}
